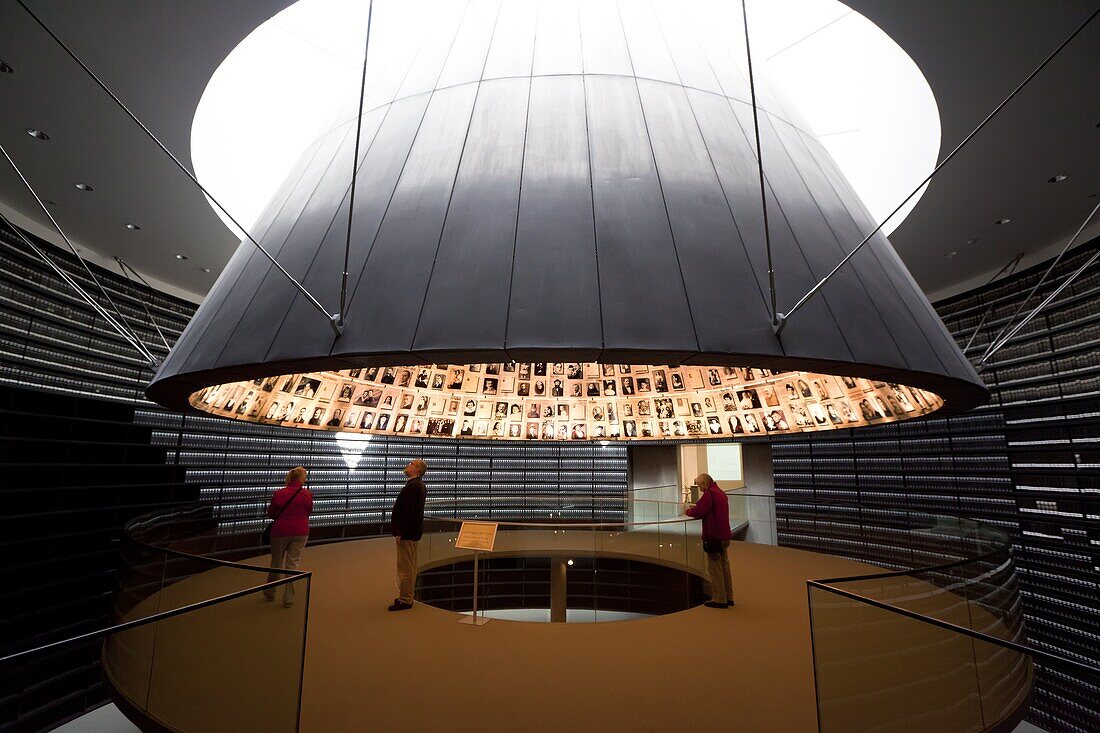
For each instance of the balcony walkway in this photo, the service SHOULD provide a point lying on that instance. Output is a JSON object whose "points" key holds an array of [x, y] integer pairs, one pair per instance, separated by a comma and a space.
{"points": [[420, 670]]}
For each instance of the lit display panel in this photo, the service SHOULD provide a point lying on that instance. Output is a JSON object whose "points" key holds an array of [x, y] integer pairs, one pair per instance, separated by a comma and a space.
{"points": [[566, 401]]}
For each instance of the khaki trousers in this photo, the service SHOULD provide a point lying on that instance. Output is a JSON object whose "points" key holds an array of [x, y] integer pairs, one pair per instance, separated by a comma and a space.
{"points": [[406, 570], [721, 582], [285, 552]]}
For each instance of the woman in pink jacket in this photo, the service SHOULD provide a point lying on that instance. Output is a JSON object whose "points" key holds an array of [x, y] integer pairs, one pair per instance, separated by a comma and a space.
{"points": [[290, 507]]}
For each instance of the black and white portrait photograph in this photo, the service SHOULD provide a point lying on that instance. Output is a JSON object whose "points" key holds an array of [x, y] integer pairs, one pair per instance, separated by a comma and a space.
{"points": [[307, 388], [747, 399]]}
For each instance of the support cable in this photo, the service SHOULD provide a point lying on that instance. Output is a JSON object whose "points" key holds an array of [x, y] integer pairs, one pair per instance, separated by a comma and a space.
{"points": [[782, 318], [354, 171], [84, 295], [760, 170], [316, 304], [1043, 279], [123, 265], [996, 345], [118, 324], [1007, 271], [72, 248]]}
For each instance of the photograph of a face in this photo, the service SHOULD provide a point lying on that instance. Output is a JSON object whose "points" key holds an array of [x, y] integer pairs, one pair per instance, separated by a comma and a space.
{"points": [[595, 399], [307, 388]]}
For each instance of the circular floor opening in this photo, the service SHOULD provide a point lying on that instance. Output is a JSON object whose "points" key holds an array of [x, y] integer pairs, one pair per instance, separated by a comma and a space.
{"points": [[595, 589]]}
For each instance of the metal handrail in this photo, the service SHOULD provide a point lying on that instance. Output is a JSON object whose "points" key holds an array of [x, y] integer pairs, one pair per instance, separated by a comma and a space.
{"points": [[1022, 648], [294, 576]]}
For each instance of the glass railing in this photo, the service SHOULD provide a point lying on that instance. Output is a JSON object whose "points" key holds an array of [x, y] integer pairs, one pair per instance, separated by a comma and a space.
{"points": [[181, 621], [608, 570], [935, 643], [926, 633]]}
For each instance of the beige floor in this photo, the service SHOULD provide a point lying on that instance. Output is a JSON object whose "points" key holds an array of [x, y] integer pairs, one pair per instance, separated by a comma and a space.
{"points": [[747, 669]]}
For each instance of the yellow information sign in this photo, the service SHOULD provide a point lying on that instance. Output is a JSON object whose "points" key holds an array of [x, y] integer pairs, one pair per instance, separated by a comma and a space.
{"points": [[477, 536]]}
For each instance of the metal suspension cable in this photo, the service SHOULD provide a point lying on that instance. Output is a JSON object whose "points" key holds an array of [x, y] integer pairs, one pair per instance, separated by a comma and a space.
{"points": [[355, 170], [1043, 279], [138, 346], [72, 248], [123, 265], [316, 304], [782, 318], [1007, 270], [119, 324], [1001, 341], [760, 171]]}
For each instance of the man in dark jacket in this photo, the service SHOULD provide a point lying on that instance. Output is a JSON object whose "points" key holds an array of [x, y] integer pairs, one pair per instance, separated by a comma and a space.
{"points": [[713, 508], [407, 522]]}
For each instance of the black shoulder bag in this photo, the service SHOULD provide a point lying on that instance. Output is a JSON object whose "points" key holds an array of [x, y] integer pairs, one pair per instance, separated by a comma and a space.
{"points": [[265, 538]]}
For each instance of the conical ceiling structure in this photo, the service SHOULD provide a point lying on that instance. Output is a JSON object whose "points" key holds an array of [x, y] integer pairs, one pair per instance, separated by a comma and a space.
{"points": [[558, 234]]}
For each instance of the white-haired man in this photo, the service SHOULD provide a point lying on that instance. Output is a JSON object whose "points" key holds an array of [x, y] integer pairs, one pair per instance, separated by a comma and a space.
{"points": [[407, 527]]}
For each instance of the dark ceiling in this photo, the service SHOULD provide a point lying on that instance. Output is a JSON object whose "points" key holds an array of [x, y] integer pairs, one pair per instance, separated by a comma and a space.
{"points": [[159, 54]]}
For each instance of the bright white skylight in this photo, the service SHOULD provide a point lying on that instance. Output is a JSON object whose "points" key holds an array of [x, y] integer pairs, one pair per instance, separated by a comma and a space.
{"points": [[290, 80]]}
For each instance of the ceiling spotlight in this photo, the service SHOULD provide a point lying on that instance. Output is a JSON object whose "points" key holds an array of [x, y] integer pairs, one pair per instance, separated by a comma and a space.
{"points": [[972, 241], [950, 254], [205, 269], [83, 186], [37, 134], [5, 67], [1056, 179], [1003, 221], [132, 227], [181, 257]]}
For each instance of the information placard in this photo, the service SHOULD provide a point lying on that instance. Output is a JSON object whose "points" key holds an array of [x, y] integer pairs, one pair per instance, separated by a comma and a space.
{"points": [[479, 536]]}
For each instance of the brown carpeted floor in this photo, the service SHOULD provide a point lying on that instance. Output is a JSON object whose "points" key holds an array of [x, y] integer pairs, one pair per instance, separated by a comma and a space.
{"points": [[747, 668]]}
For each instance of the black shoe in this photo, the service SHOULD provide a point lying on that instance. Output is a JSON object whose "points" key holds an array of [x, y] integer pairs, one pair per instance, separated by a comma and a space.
{"points": [[399, 606], [712, 604]]}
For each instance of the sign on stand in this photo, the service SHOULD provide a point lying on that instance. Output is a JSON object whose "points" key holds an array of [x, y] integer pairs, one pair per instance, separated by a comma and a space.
{"points": [[479, 537]]}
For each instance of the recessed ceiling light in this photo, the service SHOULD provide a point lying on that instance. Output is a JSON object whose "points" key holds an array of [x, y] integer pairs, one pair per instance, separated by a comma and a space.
{"points": [[5, 67], [132, 227], [205, 269], [950, 254], [181, 257], [972, 241], [83, 186], [1003, 221], [51, 203], [37, 134], [1056, 179]]}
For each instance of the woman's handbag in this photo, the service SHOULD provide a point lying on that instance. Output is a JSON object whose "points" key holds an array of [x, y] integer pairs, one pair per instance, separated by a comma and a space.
{"points": [[712, 547], [265, 537]]}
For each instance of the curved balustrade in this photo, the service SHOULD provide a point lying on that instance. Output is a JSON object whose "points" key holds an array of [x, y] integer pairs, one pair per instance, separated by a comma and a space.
{"points": [[934, 641]]}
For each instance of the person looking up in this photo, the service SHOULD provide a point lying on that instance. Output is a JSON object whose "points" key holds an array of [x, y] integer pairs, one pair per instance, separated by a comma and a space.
{"points": [[407, 527]]}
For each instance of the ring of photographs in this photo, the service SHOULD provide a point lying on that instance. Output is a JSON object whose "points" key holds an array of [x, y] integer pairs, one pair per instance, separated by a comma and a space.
{"points": [[566, 401]]}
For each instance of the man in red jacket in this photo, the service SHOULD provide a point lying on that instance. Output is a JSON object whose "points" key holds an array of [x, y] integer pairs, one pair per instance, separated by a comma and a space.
{"points": [[714, 509], [290, 507]]}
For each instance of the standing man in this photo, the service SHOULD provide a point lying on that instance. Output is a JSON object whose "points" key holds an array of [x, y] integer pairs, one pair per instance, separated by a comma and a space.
{"points": [[714, 509], [407, 522]]}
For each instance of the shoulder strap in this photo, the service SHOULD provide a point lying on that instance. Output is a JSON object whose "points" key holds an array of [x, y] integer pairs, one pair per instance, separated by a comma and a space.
{"points": [[292, 498]]}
